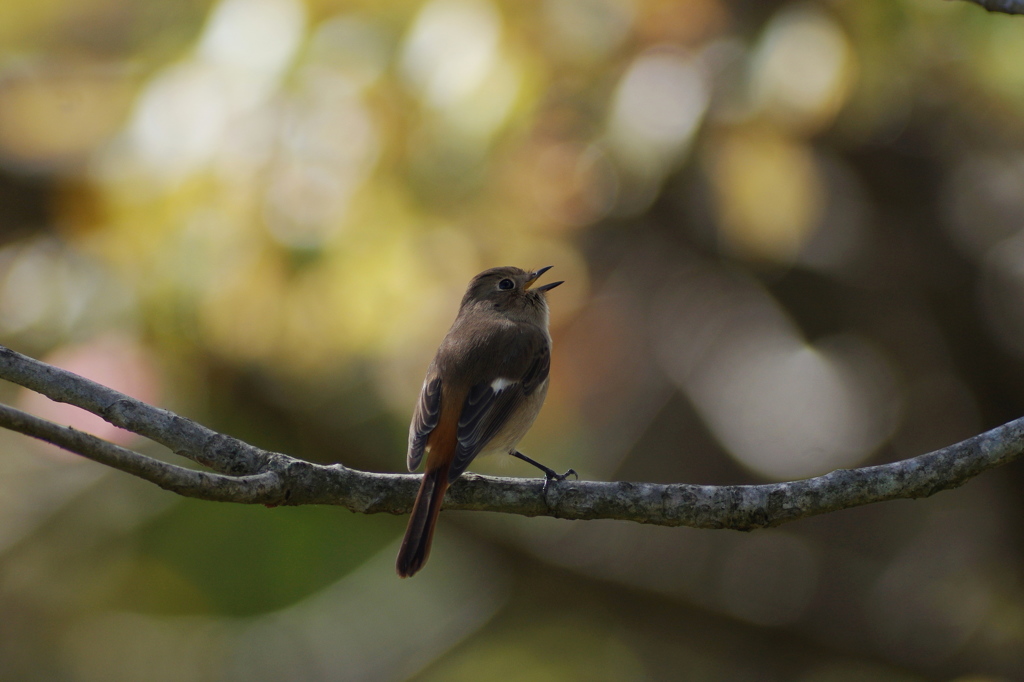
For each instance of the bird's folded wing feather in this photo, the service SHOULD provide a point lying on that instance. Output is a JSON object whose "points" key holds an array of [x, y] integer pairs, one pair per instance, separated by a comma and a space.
{"points": [[491, 402], [424, 419]]}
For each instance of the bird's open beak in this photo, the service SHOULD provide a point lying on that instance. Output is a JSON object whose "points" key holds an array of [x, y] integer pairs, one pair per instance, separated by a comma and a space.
{"points": [[536, 274]]}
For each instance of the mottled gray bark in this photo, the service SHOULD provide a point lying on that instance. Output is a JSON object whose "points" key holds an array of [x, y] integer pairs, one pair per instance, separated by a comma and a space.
{"points": [[250, 475]]}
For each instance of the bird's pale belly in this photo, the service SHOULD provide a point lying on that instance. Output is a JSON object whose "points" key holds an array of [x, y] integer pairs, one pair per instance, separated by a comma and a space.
{"points": [[506, 440]]}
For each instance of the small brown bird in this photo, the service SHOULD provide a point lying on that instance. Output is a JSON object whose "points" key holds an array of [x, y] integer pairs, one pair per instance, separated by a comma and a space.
{"points": [[482, 392]]}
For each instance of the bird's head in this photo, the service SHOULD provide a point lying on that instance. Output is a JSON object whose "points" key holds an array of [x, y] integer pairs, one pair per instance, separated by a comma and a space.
{"points": [[509, 291]]}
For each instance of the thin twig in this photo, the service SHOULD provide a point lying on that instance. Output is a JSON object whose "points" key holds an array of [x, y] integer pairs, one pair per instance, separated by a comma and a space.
{"points": [[263, 487]]}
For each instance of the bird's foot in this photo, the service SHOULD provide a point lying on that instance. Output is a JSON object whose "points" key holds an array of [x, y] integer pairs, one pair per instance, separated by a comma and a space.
{"points": [[549, 473]]}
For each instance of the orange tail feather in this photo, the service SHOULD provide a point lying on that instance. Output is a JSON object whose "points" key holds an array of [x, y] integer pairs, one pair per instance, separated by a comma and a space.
{"points": [[420, 533]]}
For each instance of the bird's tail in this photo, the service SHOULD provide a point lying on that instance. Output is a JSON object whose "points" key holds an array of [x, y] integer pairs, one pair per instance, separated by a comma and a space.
{"points": [[418, 536]]}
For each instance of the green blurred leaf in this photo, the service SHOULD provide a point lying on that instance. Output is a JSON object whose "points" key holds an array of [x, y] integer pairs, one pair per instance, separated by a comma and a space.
{"points": [[244, 560]]}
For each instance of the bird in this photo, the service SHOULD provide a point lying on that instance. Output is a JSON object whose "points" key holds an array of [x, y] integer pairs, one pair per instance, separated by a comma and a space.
{"points": [[482, 392]]}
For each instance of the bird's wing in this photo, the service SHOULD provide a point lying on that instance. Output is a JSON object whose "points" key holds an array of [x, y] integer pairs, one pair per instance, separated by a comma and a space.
{"points": [[424, 419], [491, 402]]}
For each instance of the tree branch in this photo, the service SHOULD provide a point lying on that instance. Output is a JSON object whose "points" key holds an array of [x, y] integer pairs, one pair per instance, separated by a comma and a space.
{"points": [[251, 475], [183, 436]]}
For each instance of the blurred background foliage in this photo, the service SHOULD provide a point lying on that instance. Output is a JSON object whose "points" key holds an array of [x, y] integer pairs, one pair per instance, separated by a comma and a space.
{"points": [[791, 234]]}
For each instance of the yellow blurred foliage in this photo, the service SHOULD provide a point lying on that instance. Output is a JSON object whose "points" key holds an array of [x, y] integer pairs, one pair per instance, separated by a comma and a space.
{"points": [[767, 191]]}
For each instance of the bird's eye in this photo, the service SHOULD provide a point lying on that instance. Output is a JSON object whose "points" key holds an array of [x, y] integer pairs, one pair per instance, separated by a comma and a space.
{"points": [[506, 284]]}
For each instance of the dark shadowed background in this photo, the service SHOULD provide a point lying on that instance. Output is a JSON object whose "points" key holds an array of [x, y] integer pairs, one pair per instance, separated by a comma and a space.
{"points": [[791, 234]]}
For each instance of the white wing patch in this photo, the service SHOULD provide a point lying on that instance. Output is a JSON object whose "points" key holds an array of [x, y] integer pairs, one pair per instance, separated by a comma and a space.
{"points": [[501, 384]]}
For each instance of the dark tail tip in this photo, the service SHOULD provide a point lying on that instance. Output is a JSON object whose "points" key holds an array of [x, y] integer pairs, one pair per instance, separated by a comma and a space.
{"points": [[420, 533], [411, 557], [408, 565]]}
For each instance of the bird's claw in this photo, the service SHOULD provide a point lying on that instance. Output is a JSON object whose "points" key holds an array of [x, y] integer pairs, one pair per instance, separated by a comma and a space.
{"points": [[550, 475], [561, 477]]}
